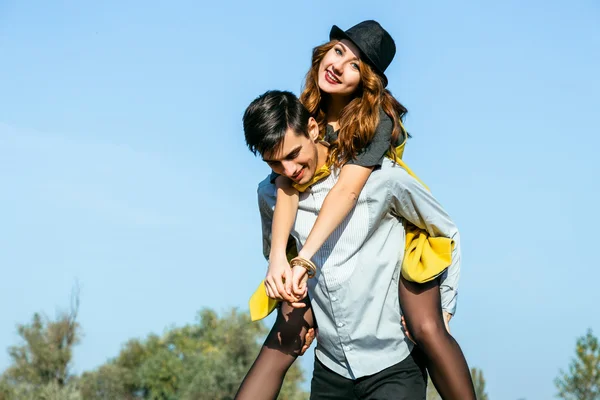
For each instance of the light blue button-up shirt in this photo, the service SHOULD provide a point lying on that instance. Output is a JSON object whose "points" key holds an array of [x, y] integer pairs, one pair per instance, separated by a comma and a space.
{"points": [[355, 292]]}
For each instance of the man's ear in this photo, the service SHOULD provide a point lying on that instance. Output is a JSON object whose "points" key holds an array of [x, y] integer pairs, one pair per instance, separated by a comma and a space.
{"points": [[313, 129]]}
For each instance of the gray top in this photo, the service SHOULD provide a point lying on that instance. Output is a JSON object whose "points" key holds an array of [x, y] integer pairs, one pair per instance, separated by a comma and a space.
{"points": [[374, 152], [355, 292]]}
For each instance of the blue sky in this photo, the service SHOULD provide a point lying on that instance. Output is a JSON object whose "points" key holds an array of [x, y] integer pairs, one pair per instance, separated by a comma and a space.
{"points": [[123, 165]]}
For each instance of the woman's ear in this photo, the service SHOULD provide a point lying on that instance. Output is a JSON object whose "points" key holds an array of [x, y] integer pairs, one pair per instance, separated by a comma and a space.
{"points": [[313, 129]]}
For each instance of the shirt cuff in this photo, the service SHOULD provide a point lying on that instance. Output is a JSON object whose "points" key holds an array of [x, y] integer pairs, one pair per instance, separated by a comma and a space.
{"points": [[449, 296]]}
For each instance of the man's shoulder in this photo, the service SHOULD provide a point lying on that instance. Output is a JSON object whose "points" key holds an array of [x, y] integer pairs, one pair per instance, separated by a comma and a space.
{"points": [[389, 170], [394, 176], [266, 189], [390, 174]]}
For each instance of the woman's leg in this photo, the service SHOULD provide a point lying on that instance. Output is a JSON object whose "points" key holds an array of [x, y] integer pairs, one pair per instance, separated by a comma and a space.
{"points": [[446, 363], [281, 348]]}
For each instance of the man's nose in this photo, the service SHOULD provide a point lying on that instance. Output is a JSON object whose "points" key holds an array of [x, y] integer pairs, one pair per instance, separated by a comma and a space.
{"points": [[289, 168]]}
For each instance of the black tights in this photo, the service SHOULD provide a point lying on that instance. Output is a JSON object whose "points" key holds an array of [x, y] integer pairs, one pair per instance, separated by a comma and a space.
{"points": [[446, 364], [422, 310], [279, 351]]}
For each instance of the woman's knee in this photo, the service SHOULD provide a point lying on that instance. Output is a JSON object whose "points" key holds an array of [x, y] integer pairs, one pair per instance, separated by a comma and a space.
{"points": [[427, 330], [288, 334]]}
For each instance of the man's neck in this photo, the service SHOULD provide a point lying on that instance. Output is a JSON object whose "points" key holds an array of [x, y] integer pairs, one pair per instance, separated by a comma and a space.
{"points": [[322, 155]]}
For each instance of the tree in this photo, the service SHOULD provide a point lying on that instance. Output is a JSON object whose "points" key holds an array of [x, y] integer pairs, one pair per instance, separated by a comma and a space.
{"points": [[582, 381], [432, 394], [478, 383], [40, 366], [206, 360]]}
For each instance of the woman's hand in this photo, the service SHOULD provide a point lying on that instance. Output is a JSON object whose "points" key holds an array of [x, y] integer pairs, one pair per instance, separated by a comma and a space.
{"points": [[278, 281], [299, 287]]}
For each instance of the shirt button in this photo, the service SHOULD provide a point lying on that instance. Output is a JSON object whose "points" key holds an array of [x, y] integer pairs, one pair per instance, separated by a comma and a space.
{"points": [[333, 298], [340, 324], [346, 348]]}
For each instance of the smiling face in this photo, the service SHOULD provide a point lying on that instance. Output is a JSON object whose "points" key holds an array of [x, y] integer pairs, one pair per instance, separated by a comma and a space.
{"points": [[339, 70], [297, 157]]}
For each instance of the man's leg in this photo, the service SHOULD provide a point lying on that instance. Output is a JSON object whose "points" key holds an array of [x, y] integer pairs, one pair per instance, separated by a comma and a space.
{"points": [[406, 380], [327, 385]]}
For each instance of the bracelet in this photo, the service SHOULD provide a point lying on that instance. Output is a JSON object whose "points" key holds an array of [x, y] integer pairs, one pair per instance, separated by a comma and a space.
{"points": [[310, 266]]}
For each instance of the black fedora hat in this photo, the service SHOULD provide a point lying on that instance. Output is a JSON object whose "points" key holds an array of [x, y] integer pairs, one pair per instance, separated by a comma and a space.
{"points": [[374, 42]]}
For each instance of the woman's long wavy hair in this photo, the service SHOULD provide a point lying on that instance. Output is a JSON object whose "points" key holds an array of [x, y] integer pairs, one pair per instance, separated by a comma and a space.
{"points": [[360, 117]]}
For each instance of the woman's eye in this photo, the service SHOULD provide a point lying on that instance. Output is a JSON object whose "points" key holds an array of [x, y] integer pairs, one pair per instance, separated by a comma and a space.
{"points": [[338, 52], [355, 66]]}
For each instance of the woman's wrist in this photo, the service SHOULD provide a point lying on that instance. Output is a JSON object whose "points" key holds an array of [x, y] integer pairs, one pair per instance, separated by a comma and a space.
{"points": [[310, 266], [277, 255], [305, 254]]}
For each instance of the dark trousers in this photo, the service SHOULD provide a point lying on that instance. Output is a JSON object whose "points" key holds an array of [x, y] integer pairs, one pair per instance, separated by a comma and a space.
{"points": [[406, 380]]}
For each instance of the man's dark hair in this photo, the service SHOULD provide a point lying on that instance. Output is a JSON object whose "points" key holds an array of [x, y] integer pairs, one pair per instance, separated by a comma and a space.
{"points": [[269, 116]]}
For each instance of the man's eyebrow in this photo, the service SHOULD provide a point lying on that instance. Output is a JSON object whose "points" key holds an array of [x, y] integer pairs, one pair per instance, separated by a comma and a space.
{"points": [[294, 150]]}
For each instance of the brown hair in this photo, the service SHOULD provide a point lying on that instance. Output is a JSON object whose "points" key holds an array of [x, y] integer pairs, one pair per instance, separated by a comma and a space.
{"points": [[359, 119]]}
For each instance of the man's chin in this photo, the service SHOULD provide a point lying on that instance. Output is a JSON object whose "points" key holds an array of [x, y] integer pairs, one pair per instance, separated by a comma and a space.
{"points": [[305, 179]]}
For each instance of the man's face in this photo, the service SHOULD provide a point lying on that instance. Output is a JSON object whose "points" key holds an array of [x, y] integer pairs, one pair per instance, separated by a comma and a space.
{"points": [[297, 157]]}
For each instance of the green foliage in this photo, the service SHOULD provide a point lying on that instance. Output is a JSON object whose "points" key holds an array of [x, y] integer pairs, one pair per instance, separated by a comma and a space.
{"points": [[49, 391], [205, 360], [432, 394], [582, 381], [46, 353], [106, 383], [478, 383], [40, 364]]}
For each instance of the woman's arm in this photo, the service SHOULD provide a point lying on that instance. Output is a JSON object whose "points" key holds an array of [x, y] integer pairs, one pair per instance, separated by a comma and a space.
{"points": [[337, 205], [279, 270], [343, 196]]}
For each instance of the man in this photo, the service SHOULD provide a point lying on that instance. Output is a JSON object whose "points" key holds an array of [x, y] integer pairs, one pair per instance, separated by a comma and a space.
{"points": [[362, 352]]}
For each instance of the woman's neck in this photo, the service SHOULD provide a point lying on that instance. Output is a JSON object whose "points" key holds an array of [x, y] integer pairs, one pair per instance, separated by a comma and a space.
{"points": [[335, 105]]}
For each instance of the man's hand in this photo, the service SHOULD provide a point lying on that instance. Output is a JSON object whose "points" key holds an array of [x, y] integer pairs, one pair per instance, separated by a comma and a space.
{"points": [[308, 339], [406, 332], [278, 281], [447, 317]]}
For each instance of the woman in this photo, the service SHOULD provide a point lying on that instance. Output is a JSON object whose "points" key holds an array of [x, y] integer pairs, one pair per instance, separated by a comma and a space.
{"points": [[345, 92]]}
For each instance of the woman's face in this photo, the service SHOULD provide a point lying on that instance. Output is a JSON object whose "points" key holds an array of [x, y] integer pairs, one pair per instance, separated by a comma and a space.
{"points": [[339, 71]]}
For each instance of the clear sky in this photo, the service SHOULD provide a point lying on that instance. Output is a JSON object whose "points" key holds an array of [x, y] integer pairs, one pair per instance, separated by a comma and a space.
{"points": [[123, 166]]}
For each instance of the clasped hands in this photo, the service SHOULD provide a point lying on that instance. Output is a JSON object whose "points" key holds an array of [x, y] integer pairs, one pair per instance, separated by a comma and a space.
{"points": [[286, 283], [289, 284]]}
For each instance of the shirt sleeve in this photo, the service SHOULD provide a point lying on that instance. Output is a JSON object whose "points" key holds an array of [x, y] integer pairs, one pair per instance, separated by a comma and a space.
{"points": [[266, 219], [372, 155], [412, 201]]}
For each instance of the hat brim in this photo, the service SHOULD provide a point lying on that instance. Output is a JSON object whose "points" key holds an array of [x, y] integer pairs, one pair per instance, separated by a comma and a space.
{"points": [[337, 33]]}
